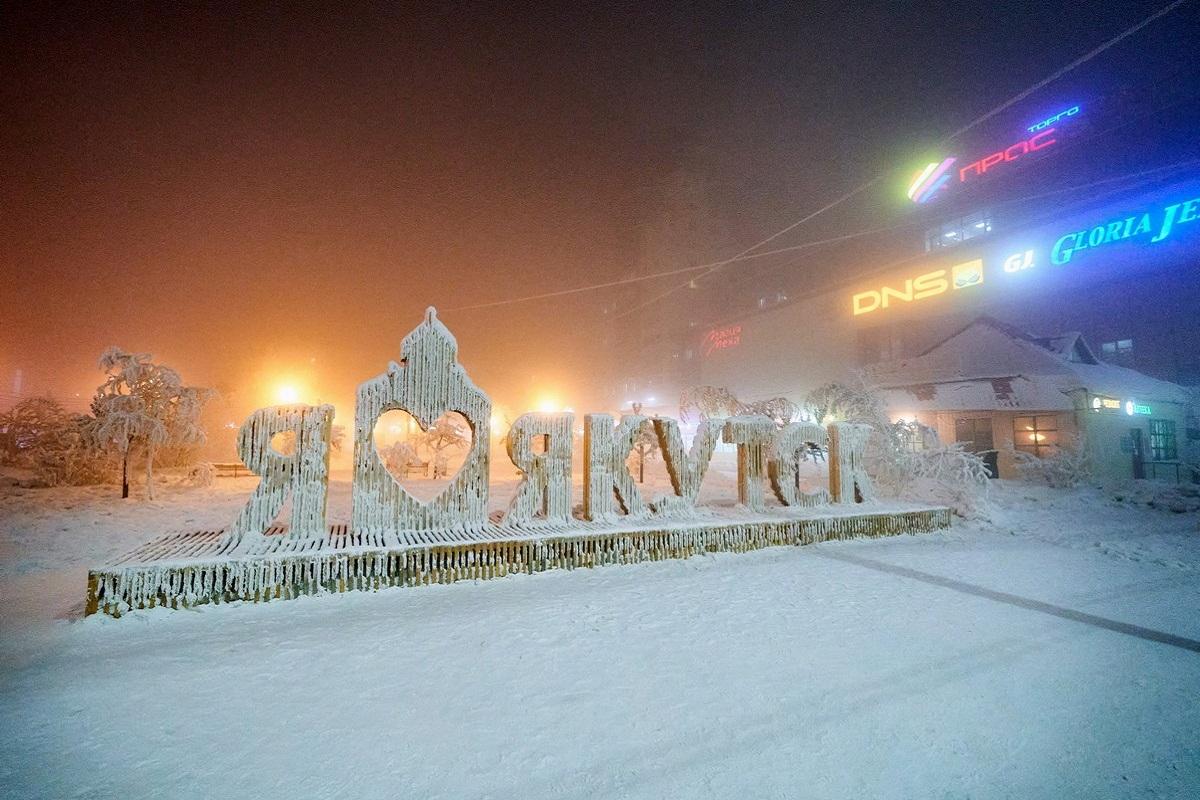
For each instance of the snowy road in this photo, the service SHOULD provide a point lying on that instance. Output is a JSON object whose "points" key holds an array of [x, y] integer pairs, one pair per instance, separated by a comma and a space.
{"points": [[915, 667]]}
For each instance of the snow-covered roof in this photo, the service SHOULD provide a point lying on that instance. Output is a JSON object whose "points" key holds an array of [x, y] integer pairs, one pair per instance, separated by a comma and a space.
{"points": [[990, 365]]}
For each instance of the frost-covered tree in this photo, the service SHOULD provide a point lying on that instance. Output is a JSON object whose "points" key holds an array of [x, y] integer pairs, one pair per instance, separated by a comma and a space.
{"points": [[397, 456], [645, 444], [445, 434], [285, 442], [26, 424], [711, 402], [40, 435], [142, 407], [902, 457]]}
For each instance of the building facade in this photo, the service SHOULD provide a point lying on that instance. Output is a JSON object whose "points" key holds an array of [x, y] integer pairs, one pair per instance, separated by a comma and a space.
{"points": [[1082, 216]]}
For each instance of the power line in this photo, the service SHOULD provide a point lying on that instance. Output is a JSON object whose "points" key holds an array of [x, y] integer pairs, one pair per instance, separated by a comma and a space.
{"points": [[669, 273], [809, 244]]}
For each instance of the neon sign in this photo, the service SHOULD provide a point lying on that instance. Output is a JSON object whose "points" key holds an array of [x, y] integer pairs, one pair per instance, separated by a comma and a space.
{"points": [[1126, 228], [926, 183], [1010, 153], [1101, 402], [1132, 408], [929, 284], [722, 339], [1019, 261], [929, 180], [1048, 121], [1151, 227]]}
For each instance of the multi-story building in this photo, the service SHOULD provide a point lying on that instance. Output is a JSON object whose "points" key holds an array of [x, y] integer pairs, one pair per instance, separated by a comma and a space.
{"points": [[1077, 216]]}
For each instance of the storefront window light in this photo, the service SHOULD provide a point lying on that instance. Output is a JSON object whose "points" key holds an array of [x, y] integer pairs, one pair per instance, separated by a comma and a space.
{"points": [[958, 230], [1037, 435]]}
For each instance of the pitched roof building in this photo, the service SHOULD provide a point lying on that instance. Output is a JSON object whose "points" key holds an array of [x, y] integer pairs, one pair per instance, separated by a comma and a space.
{"points": [[997, 389]]}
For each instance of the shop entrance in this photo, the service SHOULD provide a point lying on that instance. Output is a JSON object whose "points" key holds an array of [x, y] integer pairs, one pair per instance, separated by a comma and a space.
{"points": [[975, 434], [1139, 458]]}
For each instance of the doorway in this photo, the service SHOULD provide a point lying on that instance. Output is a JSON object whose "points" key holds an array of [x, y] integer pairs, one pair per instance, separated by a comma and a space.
{"points": [[1139, 458], [975, 434]]}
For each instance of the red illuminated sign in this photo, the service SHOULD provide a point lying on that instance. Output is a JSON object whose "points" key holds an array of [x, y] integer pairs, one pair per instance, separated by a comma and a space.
{"points": [[722, 338], [1011, 153]]}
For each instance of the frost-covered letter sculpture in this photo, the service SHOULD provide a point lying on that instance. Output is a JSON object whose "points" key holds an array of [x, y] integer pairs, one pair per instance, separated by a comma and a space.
{"points": [[545, 477], [792, 443], [304, 474], [606, 478], [686, 468], [847, 467], [751, 434], [427, 383]]}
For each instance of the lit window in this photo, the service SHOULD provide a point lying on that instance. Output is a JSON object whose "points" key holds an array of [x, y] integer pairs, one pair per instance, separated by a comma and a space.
{"points": [[959, 230], [1162, 440], [1036, 435]]}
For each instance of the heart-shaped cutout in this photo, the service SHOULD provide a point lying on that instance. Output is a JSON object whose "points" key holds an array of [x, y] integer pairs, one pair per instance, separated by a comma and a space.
{"points": [[422, 460]]}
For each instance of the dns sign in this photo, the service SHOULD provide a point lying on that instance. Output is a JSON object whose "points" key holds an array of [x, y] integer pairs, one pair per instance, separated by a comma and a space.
{"points": [[722, 338]]}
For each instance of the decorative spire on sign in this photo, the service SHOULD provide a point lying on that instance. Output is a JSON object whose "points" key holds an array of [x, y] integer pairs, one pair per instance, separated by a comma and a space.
{"points": [[427, 383]]}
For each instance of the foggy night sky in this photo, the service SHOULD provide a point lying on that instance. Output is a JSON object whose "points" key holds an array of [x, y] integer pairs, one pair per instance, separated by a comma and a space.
{"points": [[249, 195]]}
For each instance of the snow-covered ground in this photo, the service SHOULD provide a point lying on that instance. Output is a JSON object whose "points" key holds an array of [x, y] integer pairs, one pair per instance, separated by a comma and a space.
{"points": [[1051, 650]]}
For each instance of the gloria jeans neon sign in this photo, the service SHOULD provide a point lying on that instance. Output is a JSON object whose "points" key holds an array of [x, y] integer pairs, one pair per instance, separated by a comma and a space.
{"points": [[1162, 224], [1149, 227]]}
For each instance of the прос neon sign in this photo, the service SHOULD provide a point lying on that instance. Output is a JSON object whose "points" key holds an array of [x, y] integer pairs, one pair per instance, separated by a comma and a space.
{"points": [[927, 182], [930, 180], [1010, 153]]}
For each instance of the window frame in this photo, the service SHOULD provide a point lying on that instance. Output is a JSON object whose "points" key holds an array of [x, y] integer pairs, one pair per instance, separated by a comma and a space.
{"points": [[1037, 447], [1164, 440]]}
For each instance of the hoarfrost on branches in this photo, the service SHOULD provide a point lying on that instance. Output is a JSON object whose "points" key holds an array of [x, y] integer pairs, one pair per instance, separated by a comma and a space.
{"points": [[1066, 467], [791, 446], [711, 402], [142, 407], [443, 435], [904, 458], [40, 435]]}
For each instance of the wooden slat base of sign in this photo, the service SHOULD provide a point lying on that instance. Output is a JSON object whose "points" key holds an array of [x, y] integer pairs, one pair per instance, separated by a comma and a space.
{"points": [[168, 573]]}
